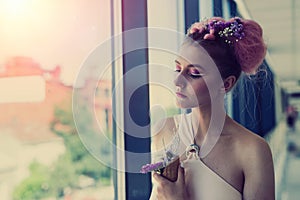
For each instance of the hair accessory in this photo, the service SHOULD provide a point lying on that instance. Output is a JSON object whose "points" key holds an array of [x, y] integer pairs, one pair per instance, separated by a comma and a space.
{"points": [[231, 31]]}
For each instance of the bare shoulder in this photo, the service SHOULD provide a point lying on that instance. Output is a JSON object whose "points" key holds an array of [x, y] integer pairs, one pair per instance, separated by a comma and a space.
{"points": [[255, 158], [252, 146]]}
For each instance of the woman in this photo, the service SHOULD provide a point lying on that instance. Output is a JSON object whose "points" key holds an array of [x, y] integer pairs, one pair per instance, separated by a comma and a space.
{"points": [[223, 160]]}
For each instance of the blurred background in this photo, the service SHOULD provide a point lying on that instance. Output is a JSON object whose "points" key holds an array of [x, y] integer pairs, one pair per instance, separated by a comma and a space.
{"points": [[281, 25], [46, 66]]}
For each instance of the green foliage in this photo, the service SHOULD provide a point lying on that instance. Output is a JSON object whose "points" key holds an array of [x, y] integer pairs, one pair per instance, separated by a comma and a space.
{"points": [[76, 161], [93, 168], [75, 148], [35, 186], [63, 117], [83, 162], [63, 175]]}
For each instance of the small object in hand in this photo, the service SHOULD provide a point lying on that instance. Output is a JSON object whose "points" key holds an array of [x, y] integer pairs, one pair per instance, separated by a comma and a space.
{"points": [[170, 172], [152, 167]]}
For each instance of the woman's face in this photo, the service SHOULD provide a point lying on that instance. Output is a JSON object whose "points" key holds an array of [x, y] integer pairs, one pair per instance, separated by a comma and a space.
{"points": [[196, 77]]}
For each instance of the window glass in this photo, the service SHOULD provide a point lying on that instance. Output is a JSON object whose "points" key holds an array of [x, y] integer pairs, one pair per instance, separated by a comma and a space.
{"points": [[43, 47], [168, 26]]}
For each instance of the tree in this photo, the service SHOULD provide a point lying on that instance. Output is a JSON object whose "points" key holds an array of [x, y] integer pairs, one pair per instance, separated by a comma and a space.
{"points": [[76, 161]]}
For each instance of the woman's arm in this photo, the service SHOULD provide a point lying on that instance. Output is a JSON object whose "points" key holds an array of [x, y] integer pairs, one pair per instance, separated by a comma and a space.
{"points": [[258, 171], [162, 133]]}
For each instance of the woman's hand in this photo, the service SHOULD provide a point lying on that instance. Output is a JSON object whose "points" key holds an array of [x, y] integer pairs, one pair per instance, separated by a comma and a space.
{"points": [[167, 190]]}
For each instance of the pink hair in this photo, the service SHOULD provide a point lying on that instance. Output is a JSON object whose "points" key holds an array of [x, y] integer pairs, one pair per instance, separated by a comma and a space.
{"points": [[251, 50]]}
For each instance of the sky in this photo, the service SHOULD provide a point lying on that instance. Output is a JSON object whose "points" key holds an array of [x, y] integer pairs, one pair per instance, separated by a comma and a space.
{"points": [[53, 32]]}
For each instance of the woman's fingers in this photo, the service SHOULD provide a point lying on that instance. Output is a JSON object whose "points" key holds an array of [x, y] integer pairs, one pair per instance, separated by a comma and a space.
{"points": [[181, 175], [159, 178], [171, 190]]}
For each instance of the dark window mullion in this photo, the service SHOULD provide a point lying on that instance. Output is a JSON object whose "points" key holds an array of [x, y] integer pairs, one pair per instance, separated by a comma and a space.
{"points": [[191, 12], [218, 8], [233, 8], [134, 16]]}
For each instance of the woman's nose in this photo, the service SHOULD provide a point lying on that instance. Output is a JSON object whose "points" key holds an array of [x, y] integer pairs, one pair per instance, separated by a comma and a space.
{"points": [[180, 80]]}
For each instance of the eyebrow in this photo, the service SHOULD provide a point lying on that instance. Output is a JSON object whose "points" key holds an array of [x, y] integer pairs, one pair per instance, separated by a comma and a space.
{"points": [[191, 65]]}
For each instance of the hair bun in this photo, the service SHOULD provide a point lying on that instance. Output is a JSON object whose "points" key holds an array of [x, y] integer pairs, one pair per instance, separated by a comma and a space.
{"points": [[251, 50]]}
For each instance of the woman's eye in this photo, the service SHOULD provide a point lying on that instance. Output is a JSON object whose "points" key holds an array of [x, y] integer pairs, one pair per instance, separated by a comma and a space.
{"points": [[196, 75], [177, 69]]}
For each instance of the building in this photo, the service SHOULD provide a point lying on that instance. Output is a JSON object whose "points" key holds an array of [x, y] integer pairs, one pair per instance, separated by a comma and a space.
{"points": [[30, 121]]}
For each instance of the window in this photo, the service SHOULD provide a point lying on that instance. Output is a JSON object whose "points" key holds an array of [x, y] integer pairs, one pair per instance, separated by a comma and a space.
{"points": [[166, 29], [44, 45]]}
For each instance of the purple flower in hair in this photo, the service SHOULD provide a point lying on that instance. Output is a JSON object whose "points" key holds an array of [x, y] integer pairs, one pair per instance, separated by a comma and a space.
{"points": [[230, 31]]}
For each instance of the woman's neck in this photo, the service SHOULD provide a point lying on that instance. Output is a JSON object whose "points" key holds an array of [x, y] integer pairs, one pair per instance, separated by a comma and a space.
{"points": [[201, 120]]}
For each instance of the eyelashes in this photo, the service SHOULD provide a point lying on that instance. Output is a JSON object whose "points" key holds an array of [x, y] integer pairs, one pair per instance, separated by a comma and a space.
{"points": [[194, 75]]}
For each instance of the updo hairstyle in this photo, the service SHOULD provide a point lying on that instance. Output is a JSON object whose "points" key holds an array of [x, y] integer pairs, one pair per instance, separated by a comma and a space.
{"points": [[235, 45]]}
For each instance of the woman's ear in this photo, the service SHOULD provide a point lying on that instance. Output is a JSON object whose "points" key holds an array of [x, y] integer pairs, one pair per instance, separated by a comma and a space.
{"points": [[229, 83]]}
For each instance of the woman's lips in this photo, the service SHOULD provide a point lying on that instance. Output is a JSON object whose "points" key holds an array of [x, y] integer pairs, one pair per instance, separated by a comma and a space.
{"points": [[180, 95]]}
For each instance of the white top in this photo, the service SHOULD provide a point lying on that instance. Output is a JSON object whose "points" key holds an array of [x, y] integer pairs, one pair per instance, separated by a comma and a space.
{"points": [[202, 183]]}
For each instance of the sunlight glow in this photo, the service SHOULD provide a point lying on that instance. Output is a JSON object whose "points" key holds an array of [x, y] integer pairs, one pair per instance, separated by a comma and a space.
{"points": [[13, 7]]}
